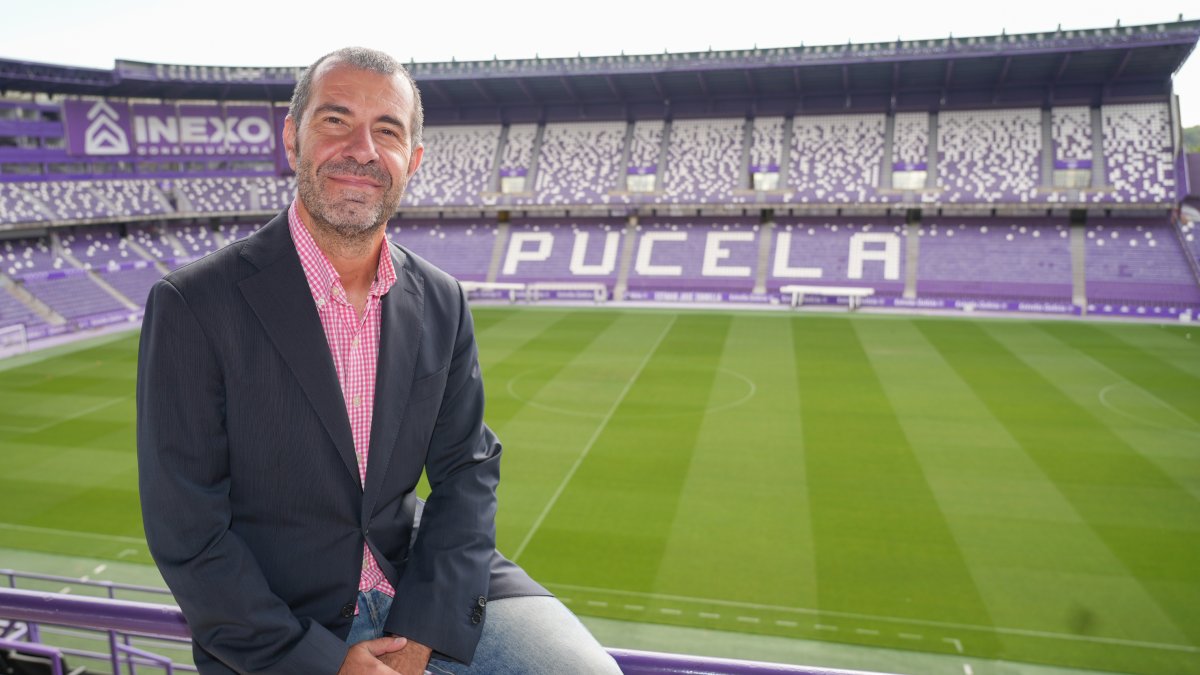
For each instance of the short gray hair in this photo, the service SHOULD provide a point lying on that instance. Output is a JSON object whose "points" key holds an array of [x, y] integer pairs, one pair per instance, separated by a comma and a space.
{"points": [[363, 59]]}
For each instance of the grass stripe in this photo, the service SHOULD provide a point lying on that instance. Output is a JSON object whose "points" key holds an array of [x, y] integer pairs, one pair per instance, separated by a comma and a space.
{"points": [[527, 369], [1015, 530], [867, 486], [1136, 364], [745, 482], [1094, 469], [588, 447], [611, 527]]}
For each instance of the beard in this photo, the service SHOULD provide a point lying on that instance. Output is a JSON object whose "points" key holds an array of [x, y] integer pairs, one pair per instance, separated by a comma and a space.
{"points": [[348, 212]]}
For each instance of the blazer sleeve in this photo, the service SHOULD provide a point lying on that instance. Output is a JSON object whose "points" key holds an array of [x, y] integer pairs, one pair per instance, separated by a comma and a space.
{"points": [[444, 584], [183, 463]]}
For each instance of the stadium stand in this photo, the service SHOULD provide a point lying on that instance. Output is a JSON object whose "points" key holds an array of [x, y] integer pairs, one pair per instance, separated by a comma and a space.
{"points": [[1036, 173]]}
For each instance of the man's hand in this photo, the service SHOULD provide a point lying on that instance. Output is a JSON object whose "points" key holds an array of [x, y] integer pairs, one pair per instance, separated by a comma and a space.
{"points": [[411, 660], [364, 657]]}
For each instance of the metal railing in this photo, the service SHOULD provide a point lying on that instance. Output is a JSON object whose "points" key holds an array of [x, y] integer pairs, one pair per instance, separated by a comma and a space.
{"points": [[23, 614]]}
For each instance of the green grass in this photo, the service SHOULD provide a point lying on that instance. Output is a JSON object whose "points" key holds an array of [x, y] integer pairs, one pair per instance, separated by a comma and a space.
{"points": [[1022, 491]]}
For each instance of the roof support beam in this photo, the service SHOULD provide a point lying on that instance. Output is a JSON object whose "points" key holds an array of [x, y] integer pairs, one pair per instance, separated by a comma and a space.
{"points": [[1000, 79], [566, 82], [1062, 66], [437, 88], [703, 84], [1121, 66], [612, 86], [482, 92], [657, 86], [525, 90]]}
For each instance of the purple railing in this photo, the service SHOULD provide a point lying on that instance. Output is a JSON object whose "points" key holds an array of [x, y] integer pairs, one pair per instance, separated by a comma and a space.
{"points": [[124, 617]]}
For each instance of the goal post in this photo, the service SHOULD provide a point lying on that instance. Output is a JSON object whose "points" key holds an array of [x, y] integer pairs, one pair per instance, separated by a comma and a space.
{"points": [[13, 340]]}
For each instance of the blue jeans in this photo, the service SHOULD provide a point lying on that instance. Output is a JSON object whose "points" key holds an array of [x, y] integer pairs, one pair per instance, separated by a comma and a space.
{"points": [[532, 635]]}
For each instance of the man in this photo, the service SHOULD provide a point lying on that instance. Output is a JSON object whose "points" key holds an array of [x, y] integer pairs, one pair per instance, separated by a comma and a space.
{"points": [[292, 387]]}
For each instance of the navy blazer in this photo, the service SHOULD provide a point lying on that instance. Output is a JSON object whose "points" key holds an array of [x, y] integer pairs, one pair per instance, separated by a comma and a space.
{"points": [[251, 498]]}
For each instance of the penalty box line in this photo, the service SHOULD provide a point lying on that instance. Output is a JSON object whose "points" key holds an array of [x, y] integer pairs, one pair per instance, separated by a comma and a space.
{"points": [[1021, 632], [587, 448]]}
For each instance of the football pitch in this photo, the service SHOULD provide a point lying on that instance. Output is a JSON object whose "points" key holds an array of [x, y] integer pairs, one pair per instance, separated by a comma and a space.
{"points": [[1024, 491]]}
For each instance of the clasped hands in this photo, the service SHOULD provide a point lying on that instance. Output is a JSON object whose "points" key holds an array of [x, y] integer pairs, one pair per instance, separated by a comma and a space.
{"points": [[386, 656]]}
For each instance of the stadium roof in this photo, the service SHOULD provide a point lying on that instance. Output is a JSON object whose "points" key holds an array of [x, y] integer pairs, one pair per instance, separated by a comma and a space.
{"points": [[1061, 67]]}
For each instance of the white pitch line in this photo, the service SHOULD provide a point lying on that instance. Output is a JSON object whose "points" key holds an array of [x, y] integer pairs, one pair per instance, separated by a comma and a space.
{"points": [[76, 415], [1189, 649], [597, 603], [635, 608], [956, 642], [592, 441], [709, 615], [72, 533], [670, 611], [821, 626], [749, 619], [787, 624], [911, 636], [967, 670], [866, 631], [99, 569]]}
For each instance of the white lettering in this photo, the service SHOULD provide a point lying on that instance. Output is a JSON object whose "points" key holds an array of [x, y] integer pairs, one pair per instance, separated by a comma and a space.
{"points": [[782, 270], [715, 252], [162, 130], [517, 253], [224, 130], [193, 129], [608, 261], [254, 130], [889, 255], [644, 267]]}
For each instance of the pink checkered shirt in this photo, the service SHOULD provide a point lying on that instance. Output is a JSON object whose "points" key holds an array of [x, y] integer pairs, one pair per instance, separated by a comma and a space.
{"points": [[354, 344]]}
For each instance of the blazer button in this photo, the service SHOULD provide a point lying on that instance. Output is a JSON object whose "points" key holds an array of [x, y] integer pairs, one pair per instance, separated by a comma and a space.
{"points": [[481, 601], [476, 618], [347, 610]]}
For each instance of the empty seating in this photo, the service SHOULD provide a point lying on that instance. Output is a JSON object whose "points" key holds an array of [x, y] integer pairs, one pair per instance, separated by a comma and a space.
{"points": [[457, 166], [989, 156], [1137, 153], [1025, 259], [703, 161], [1132, 261], [836, 158], [578, 163]]}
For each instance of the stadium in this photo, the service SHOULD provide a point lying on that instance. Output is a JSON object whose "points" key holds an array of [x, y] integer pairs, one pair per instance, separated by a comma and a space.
{"points": [[879, 356]]}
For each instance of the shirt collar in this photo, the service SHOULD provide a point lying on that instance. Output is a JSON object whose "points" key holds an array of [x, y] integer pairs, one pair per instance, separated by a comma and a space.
{"points": [[322, 276]]}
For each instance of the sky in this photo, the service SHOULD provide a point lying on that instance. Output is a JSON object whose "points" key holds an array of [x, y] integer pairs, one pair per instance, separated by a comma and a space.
{"points": [[252, 33]]}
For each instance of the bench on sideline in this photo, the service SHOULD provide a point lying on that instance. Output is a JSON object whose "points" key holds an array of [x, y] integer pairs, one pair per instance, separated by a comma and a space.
{"points": [[123, 617], [854, 294]]}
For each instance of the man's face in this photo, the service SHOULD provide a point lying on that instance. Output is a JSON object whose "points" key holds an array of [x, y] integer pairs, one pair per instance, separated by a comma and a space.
{"points": [[351, 150]]}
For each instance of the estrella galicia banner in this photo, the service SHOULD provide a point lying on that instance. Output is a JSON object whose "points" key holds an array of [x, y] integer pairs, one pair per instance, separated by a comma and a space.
{"points": [[110, 128]]}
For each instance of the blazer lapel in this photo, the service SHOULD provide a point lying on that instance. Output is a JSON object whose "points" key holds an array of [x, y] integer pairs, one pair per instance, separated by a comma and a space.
{"points": [[399, 343], [278, 294]]}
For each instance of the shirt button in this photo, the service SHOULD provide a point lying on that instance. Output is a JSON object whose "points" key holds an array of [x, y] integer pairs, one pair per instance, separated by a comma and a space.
{"points": [[357, 401], [354, 343]]}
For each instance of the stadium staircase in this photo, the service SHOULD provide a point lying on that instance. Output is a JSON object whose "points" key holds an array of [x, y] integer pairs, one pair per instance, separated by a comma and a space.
{"points": [[141, 251], [1079, 265], [26, 298], [766, 237], [498, 250], [91, 275], [912, 244], [626, 261], [1183, 246]]}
